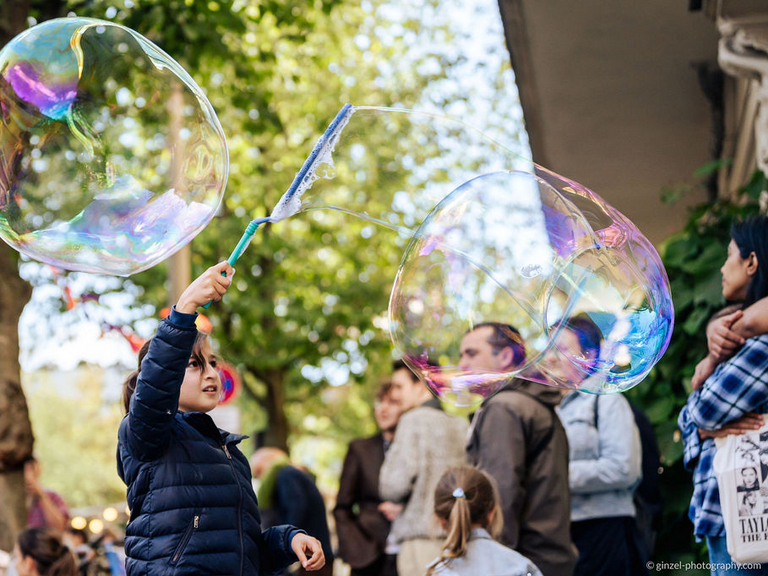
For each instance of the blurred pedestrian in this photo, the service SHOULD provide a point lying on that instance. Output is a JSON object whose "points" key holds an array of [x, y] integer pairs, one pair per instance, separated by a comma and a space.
{"points": [[467, 506], [77, 541], [289, 495], [40, 552], [362, 528], [45, 507], [427, 442], [605, 465], [518, 440]]}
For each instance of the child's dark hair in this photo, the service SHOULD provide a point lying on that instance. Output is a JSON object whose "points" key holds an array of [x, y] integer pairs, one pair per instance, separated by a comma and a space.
{"points": [[751, 235], [129, 386], [463, 497], [51, 557]]}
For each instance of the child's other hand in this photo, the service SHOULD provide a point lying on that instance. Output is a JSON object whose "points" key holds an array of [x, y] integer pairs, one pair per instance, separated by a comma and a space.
{"points": [[210, 285], [301, 544]]}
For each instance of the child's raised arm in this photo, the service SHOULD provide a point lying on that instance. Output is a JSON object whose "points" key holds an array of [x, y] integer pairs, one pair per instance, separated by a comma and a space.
{"points": [[210, 285], [156, 398]]}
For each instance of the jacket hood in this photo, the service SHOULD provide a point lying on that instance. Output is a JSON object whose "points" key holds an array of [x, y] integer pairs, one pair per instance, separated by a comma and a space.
{"points": [[547, 394]]}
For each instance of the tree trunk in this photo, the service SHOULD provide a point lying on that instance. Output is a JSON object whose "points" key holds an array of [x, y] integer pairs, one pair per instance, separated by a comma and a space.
{"points": [[16, 438], [277, 430]]}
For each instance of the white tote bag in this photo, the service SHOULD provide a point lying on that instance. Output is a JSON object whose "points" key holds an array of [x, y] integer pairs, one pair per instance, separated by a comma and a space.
{"points": [[741, 467]]}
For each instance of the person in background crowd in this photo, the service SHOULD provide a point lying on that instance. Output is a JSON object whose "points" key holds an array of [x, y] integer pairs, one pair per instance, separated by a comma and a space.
{"points": [[77, 541], [40, 552], [362, 528], [45, 507], [427, 442], [518, 440], [467, 506], [288, 495], [605, 463], [647, 498], [730, 391]]}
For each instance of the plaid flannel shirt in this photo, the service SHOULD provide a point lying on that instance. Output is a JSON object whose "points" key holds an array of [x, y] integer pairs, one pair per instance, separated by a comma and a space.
{"points": [[738, 385]]}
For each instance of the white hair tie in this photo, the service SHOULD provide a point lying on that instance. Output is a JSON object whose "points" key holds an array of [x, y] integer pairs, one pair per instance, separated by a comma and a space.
{"points": [[459, 493]]}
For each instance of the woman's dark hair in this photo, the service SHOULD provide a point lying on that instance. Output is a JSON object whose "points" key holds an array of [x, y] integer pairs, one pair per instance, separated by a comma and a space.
{"points": [[751, 235], [129, 386], [587, 332], [51, 557], [463, 497]]}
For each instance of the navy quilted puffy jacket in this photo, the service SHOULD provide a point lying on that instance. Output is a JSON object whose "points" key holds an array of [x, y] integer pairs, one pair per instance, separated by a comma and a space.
{"points": [[193, 510]]}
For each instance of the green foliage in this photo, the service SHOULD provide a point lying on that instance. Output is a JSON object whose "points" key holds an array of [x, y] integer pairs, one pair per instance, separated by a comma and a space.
{"points": [[76, 432], [306, 312], [311, 293], [692, 259]]}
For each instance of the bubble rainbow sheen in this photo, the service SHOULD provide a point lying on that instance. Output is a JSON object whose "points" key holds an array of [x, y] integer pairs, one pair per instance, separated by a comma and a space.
{"points": [[531, 250], [111, 156]]}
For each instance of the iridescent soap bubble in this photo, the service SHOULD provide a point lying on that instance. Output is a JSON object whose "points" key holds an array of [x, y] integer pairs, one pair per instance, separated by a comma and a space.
{"points": [[547, 257], [111, 157], [492, 238]]}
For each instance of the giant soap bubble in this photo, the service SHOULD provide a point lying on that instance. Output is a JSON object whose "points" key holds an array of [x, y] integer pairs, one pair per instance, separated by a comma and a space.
{"points": [[532, 251], [493, 238], [111, 157]]}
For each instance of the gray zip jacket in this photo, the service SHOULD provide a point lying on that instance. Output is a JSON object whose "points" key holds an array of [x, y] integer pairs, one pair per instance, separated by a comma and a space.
{"points": [[605, 455], [486, 557]]}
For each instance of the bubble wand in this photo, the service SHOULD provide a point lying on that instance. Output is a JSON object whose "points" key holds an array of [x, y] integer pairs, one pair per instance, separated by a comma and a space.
{"points": [[290, 203]]}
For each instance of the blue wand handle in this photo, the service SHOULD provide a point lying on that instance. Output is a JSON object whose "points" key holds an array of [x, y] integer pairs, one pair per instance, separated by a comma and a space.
{"points": [[245, 239]]}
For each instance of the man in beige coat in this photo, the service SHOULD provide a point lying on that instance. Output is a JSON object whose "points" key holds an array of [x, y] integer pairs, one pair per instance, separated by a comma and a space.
{"points": [[427, 442]]}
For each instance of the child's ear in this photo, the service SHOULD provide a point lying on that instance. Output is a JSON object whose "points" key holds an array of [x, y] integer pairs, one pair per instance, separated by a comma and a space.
{"points": [[27, 565], [442, 522]]}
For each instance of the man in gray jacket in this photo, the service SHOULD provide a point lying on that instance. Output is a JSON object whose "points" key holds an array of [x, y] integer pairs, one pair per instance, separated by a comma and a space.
{"points": [[517, 438], [427, 442]]}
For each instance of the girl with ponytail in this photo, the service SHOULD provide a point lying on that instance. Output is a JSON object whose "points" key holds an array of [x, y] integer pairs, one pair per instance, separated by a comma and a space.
{"points": [[40, 552], [466, 505]]}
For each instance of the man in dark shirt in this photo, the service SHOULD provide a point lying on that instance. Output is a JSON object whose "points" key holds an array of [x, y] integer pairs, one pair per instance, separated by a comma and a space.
{"points": [[288, 495]]}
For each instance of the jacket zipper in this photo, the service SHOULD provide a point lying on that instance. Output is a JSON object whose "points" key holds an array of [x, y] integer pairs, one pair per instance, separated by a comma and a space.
{"points": [[186, 538], [239, 506]]}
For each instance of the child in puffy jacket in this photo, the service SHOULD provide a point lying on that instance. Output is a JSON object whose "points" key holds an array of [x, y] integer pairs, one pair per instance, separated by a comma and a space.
{"points": [[193, 509]]}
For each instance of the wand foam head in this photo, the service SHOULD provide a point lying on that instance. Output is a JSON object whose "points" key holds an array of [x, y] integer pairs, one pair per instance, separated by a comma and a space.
{"points": [[321, 154]]}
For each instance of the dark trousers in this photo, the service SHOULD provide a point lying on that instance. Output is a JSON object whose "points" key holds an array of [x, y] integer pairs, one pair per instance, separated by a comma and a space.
{"points": [[386, 565], [608, 547]]}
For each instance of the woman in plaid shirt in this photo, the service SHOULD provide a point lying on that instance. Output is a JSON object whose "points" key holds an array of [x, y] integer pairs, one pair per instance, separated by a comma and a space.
{"points": [[728, 398]]}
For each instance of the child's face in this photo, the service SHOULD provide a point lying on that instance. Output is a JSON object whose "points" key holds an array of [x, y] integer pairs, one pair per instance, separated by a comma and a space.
{"points": [[202, 385]]}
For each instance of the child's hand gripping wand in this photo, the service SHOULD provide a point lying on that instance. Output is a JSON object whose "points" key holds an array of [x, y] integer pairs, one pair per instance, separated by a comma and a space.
{"points": [[242, 245]]}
